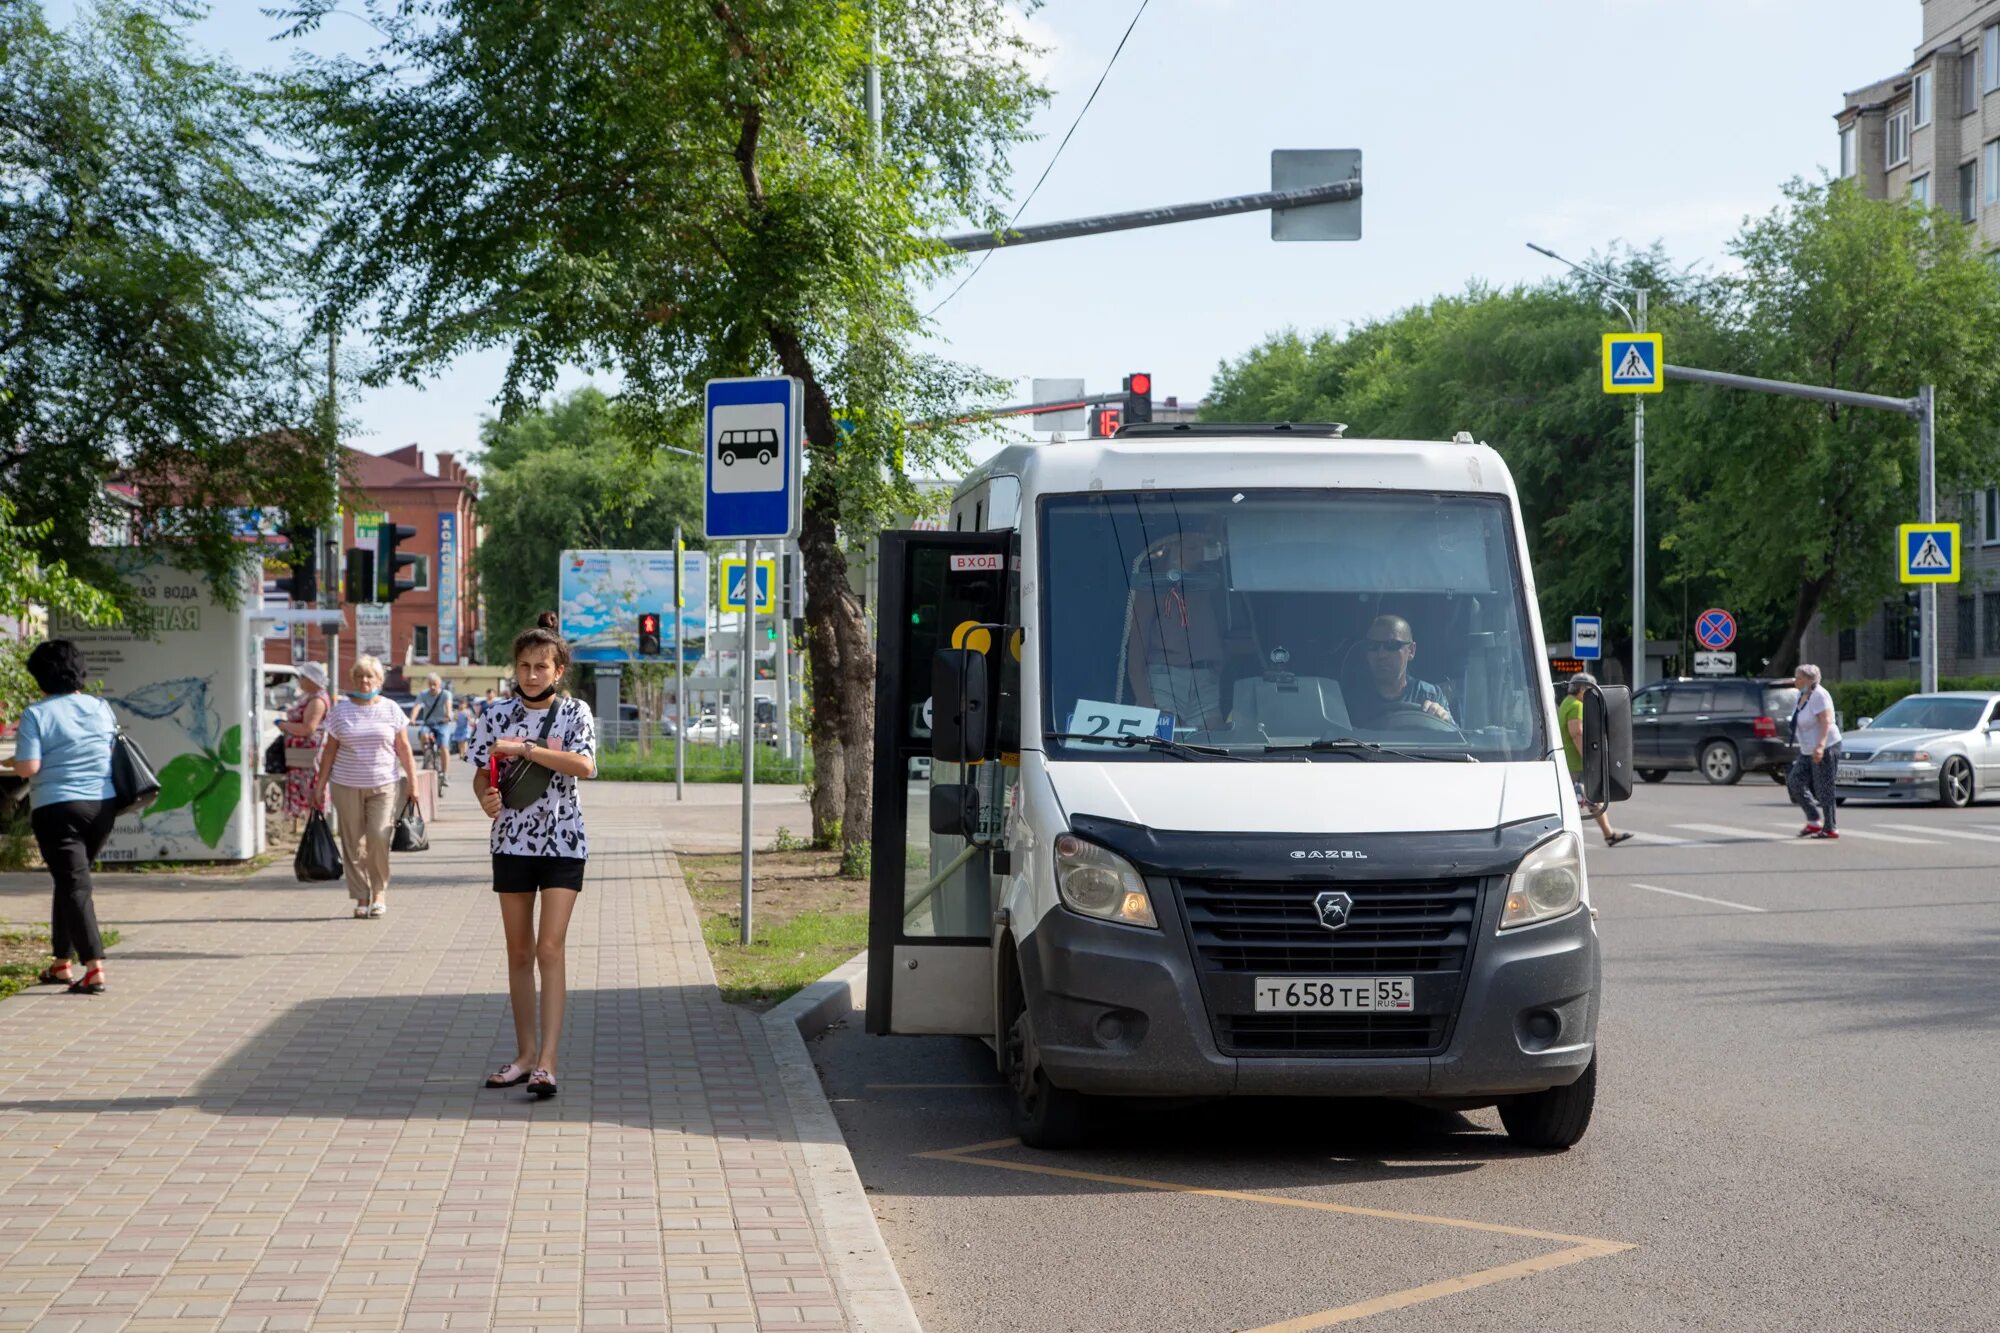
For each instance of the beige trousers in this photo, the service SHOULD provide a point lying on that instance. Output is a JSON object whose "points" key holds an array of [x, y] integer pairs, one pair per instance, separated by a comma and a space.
{"points": [[367, 818]]}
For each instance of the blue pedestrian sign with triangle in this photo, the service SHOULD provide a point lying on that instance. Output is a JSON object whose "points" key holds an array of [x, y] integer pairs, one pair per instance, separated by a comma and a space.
{"points": [[1928, 552], [1633, 363]]}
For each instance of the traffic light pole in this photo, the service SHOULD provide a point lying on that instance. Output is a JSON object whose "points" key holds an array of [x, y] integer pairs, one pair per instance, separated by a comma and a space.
{"points": [[1263, 201], [1923, 408]]}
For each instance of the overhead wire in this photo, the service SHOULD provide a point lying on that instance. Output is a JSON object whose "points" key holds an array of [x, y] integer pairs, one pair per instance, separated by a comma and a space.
{"points": [[1081, 113]]}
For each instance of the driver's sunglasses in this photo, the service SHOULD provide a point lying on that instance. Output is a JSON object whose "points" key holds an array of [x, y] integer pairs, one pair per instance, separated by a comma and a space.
{"points": [[1387, 645]]}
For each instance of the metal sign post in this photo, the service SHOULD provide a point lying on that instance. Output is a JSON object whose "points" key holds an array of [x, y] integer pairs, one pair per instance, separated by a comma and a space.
{"points": [[680, 673], [752, 489]]}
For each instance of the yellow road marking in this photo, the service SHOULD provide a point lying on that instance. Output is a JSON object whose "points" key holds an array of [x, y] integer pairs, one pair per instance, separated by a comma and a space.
{"points": [[1577, 1248]]}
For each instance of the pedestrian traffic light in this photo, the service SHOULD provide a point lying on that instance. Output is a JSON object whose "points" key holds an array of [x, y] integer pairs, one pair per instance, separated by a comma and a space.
{"points": [[390, 562], [302, 585], [649, 634], [360, 575], [1138, 397]]}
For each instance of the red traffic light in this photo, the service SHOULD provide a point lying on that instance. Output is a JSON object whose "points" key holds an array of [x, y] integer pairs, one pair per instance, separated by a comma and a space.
{"points": [[649, 622], [1139, 383]]}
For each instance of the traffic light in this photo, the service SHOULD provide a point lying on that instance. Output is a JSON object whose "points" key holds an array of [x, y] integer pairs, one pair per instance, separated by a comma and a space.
{"points": [[1138, 397], [389, 562], [302, 585], [360, 575], [649, 634]]}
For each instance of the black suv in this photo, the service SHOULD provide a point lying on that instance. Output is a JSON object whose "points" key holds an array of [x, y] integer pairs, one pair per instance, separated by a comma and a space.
{"points": [[1720, 727]]}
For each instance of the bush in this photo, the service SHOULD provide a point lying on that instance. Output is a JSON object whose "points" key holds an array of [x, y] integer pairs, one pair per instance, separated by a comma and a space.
{"points": [[1856, 699]]}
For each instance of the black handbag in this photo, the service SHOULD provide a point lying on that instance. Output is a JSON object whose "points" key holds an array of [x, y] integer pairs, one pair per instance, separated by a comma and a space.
{"points": [[274, 757], [132, 776], [410, 835], [318, 857], [523, 784]]}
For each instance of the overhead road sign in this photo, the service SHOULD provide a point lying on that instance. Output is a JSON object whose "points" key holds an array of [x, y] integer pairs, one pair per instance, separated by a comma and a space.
{"points": [[1586, 637], [1715, 629], [751, 462], [1634, 363], [1929, 552], [732, 567]]}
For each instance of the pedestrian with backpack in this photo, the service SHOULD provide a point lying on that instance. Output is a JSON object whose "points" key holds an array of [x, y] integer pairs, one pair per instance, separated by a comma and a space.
{"points": [[528, 754]]}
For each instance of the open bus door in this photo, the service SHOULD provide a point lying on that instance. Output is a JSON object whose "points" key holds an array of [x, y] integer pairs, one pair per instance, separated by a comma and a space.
{"points": [[931, 894]]}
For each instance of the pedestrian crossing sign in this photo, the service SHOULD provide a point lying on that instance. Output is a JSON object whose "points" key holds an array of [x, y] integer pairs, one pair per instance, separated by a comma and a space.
{"points": [[1929, 552], [1634, 363], [733, 580]]}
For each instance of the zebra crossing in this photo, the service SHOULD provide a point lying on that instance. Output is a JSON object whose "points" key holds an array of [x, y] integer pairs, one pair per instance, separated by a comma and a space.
{"points": [[1721, 835]]}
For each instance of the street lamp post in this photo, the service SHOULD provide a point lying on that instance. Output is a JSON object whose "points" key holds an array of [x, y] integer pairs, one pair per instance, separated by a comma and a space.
{"points": [[1636, 317]]}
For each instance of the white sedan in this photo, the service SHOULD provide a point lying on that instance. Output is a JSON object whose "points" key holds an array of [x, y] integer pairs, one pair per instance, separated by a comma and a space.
{"points": [[712, 730]]}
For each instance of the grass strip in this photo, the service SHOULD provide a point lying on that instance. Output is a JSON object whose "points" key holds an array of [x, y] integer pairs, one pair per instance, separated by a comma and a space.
{"points": [[806, 920]]}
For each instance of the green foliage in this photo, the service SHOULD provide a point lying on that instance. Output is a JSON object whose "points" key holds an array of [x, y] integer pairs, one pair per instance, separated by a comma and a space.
{"points": [[705, 763], [1774, 507], [147, 217], [787, 841], [676, 188], [1519, 369], [1795, 504], [567, 476], [27, 580], [1856, 699]]}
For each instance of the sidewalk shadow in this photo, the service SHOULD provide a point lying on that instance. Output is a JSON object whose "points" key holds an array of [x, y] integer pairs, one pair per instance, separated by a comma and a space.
{"points": [[661, 1057]]}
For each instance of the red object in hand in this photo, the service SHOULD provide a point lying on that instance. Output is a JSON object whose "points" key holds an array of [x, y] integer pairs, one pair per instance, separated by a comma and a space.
{"points": [[493, 770]]}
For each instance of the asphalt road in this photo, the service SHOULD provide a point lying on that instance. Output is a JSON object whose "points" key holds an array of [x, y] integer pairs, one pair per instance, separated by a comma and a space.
{"points": [[1796, 1127]]}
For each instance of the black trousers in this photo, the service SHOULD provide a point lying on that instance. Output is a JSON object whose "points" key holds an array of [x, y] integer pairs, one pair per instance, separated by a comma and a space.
{"points": [[71, 834], [1811, 786]]}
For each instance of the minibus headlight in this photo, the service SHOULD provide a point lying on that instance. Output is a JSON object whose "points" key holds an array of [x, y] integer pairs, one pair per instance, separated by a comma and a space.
{"points": [[1548, 884], [1098, 882]]}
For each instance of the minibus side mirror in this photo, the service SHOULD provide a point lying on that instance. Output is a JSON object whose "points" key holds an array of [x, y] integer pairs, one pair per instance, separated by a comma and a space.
{"points": [[1607, 744], [955, 809], [960, 711]]}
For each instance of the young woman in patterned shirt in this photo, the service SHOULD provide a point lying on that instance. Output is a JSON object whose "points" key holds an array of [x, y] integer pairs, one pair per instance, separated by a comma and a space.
{"points": [[538, 851]]}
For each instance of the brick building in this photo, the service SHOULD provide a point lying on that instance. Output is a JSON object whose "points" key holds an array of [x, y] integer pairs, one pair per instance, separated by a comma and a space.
{"points": [[1931, 133], [438, 624]]}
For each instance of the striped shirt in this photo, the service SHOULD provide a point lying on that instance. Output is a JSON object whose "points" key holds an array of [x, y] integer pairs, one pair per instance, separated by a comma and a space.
{"points": [[367, 735]]}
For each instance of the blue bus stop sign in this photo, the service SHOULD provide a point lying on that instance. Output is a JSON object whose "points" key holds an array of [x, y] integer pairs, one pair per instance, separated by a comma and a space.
{"points": [[751, 458]]}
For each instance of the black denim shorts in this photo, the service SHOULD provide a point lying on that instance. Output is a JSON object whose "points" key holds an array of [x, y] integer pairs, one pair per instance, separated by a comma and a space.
{"points": [[513, 873]]}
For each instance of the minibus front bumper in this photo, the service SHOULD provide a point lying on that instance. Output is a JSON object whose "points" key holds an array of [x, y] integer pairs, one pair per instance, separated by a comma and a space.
{"points": [[1121, 1010]]}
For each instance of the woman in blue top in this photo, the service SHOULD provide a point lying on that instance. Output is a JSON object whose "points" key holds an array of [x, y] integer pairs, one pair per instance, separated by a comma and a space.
{"points": [[63, 748]]}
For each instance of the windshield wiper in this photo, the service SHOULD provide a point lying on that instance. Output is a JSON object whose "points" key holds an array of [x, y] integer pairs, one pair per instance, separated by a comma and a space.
{"points": [[1370, 750], [1179, 749]]}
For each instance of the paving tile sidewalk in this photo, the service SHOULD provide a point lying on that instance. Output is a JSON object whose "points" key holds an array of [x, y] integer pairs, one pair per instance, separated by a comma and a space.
{"points": [[272, 1120]]}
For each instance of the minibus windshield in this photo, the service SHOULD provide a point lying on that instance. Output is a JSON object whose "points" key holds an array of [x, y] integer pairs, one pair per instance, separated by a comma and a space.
{"points": [[1258, 623]]}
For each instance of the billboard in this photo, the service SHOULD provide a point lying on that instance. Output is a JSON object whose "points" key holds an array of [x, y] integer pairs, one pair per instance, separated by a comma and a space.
{"points": [[447, 588], [601, 594], [185, 695]]}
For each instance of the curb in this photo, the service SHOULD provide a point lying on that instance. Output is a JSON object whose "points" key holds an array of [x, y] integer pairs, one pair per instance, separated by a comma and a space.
{"points": [[870, 1287]]}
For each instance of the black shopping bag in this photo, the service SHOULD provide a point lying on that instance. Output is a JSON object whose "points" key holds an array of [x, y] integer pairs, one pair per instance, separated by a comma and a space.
{"points": [[318, 855], [410, 834]]}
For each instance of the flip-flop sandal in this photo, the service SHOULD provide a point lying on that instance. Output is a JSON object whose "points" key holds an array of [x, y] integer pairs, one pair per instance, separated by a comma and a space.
{"points": [[542, 1084], [500, 1078]]}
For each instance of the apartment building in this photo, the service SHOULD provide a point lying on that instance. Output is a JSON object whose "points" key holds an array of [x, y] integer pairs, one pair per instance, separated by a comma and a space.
{"points": [[1931, 133]]}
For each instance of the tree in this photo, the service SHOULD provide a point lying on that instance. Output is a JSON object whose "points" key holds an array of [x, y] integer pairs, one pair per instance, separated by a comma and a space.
{"points": [[1518, 369], [684, 189], [565, 477], [1796, 503], [27, 583], [147, 230]]}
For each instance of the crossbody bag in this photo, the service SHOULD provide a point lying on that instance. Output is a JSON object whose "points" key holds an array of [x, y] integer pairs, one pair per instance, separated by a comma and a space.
{"points": [[523, 784]]}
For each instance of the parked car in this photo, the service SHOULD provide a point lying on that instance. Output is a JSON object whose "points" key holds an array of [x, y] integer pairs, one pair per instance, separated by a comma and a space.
{"points": [[1924, 747], [1720, 727], [711, 730]]}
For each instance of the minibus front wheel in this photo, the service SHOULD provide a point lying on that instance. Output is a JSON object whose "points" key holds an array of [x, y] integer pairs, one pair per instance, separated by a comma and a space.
{"points": [[1045, 1116]]}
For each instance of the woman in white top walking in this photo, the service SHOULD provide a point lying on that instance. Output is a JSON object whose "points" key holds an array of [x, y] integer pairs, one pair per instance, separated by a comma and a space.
{"points": [[367, 743], [1817, 735]]}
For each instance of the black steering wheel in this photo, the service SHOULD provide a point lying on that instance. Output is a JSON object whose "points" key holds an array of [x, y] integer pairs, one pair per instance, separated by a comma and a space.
{"points": [[1402, 715]]}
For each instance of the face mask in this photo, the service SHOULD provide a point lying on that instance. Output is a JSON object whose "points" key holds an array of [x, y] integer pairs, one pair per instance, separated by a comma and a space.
{"points": [[524, 696], [361, 698]]}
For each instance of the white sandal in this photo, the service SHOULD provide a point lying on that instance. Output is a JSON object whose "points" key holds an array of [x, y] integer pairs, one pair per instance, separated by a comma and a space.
{"points": [[361, 911]]}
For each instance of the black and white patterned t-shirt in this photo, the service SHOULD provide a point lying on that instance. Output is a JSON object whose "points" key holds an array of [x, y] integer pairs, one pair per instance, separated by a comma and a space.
{"points": [[553, 825]]}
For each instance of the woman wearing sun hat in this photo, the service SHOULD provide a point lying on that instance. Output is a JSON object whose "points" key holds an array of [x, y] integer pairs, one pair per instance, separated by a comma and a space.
{"points": [[304, 730]]}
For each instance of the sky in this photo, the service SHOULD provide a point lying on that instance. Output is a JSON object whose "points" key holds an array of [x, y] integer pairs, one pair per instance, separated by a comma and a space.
{"points": [[1483, 126]]}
